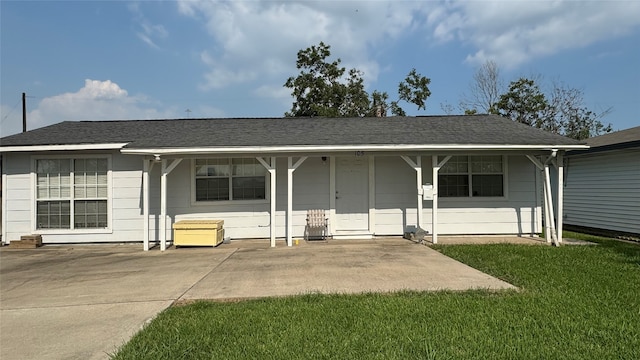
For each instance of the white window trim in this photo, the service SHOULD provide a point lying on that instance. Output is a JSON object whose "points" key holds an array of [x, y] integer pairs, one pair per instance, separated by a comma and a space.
{"points": [[192, 184], [34, 196], [505, 184]]}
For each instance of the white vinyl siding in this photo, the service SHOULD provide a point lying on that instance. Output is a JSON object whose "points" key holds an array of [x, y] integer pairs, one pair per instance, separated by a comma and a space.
{"points": [[602, 190], [124, 212], [17, 197], [517, 212], [394, 200], [248, 218]]}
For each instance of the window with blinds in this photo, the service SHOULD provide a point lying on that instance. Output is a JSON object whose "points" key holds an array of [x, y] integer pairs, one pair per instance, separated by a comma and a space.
{"points": [[229, 179], [72, 193], [472, 176]]}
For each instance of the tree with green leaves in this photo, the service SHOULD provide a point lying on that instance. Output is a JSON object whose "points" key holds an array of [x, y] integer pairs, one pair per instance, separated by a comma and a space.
{"points": [[573, 117], [322, 89], [318, 89], [561, 110], [562, 113], [379, 104], [525, 103], [415, 89]]}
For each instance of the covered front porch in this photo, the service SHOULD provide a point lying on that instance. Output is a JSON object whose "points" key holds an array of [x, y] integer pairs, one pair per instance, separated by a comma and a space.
{"points": [[365, 192]]}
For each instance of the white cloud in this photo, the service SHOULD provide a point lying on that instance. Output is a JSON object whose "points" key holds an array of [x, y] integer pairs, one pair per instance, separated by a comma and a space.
{"points": [[96, 90], [96, 100], [514, 32], [253, 44], [259, 39], [148, 31], [220, 76], [280, 94]]}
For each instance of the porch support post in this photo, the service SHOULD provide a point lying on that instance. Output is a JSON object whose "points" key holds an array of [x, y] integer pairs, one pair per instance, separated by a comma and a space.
{"points": [[145, 203], [5, 240], [272, 172], [434, 210], [417, 166], [419, 186], [166, 169], [291, 167], [332, 195], [549, 201], [560, 168], [163, 206], [540, 167], [434, 204], [549, 226]]}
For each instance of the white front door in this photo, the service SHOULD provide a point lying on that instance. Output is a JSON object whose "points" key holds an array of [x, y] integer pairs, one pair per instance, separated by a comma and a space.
{"points": [[352, 194]]}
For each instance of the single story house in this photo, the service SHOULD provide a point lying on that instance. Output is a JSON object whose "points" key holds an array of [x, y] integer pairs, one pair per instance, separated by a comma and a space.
{"points": [[602, 185], [129, 181]]}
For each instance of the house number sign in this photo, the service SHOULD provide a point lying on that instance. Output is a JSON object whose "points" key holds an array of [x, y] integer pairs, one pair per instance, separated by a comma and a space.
{"points": [[359, 153]]}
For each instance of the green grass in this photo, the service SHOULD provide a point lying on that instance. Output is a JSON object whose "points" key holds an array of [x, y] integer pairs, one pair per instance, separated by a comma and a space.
{"points": [[574, 302]]}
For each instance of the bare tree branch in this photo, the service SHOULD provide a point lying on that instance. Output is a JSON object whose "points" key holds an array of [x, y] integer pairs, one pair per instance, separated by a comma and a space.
{"points": [[484, 90]]}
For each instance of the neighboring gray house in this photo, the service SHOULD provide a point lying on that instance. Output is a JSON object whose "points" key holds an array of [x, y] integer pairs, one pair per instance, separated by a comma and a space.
{"points": [[602, 184], [117, 181]]}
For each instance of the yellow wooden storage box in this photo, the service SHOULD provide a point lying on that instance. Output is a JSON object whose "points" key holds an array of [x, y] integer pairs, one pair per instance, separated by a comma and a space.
{"points": [[198, 232]]}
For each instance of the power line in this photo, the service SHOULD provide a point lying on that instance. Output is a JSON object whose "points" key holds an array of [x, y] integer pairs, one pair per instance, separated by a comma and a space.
{"points": [[21, 99], [12, 110]]}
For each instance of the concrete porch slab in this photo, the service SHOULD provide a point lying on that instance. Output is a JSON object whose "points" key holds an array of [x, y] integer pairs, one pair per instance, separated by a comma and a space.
{"points": [[338, 266]]}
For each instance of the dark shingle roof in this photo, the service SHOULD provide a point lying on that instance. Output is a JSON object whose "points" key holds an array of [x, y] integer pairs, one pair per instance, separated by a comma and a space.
{"points": [[191, 133], [621, 137]]}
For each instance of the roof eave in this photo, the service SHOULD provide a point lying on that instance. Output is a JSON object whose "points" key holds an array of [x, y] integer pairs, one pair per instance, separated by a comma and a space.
{"points": [[593, 149], [65, 147], [338, 148]]}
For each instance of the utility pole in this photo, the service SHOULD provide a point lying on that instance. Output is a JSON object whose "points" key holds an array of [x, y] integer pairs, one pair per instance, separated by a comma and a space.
{"points": [[24, 112]]}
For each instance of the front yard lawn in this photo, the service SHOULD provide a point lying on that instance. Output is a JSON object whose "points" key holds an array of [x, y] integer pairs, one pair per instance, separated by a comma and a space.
{"points": [[574, 302]]}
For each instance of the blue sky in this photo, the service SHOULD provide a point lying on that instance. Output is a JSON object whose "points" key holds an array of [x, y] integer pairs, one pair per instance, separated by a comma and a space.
{"points": [[96, 60]]}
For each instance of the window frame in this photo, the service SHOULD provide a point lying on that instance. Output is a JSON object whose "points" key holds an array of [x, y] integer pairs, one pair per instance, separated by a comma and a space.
{"points": [[267, 184], [470, 174], [71, 198]]}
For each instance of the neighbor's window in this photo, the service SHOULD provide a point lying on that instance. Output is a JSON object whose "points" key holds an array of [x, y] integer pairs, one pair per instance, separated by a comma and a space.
{"points": [[475, 176], [230, 179], [72, 193]]}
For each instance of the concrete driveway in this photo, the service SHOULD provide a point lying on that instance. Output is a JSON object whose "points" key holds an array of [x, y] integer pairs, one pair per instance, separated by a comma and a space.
{"points": [[82, 302]]}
